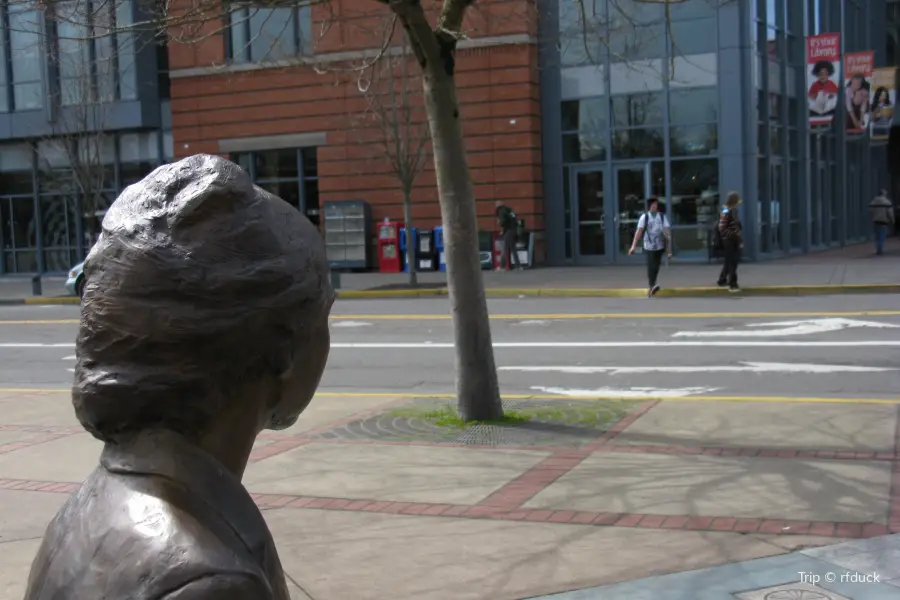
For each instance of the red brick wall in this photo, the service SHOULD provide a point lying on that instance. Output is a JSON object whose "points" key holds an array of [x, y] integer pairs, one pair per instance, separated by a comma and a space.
{"points": [[500, 106]]}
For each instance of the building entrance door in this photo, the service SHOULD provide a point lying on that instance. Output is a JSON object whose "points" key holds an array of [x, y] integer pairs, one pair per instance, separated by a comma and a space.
{"points": [[591, 239], [632, 188]]}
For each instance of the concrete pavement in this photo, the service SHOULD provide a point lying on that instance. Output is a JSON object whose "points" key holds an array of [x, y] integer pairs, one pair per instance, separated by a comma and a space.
{"points": [[366, 500]]}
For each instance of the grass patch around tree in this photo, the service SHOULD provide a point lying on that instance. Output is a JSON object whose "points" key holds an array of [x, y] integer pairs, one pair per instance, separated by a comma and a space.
{"points": [[588, 414]]}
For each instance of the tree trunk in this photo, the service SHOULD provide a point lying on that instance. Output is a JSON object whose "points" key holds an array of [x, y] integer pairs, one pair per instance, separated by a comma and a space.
{"points": [[478, 393], [410, 246]]}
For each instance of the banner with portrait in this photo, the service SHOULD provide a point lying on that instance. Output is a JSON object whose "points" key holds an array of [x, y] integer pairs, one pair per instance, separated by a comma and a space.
{"points": [[884, 97], [823, 62], [858, 67]]}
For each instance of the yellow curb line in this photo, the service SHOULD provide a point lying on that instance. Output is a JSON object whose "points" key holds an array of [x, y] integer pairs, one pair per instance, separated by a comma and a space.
{"points": [[428, 396], [62, 300]]}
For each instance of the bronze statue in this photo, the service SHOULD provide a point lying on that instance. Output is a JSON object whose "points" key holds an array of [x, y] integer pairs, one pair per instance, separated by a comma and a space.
{"points": [[204, 321]]}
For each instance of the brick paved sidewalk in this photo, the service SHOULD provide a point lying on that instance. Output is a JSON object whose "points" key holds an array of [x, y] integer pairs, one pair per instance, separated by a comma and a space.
{"points": [[669, 487]]}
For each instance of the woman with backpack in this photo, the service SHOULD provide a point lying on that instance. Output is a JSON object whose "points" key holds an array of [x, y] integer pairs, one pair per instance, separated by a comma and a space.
{"points": [[729, 230]]}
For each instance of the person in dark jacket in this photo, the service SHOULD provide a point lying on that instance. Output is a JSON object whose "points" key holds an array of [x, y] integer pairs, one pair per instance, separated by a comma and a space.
{"points": [[204, 321], [508, 223], [732, 242]]}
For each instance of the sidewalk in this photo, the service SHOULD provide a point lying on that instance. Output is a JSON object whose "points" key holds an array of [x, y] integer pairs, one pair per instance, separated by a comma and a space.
{"points": [[854, 269], [370, 498]]}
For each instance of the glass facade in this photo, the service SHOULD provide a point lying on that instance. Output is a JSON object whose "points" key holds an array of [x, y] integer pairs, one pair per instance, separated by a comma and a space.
{"points": [[682, 100], [639, 115], [47, 223], [291, 174], [264, 34]]}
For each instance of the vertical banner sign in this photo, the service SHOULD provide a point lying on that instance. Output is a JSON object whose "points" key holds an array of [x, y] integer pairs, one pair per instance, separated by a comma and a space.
{"points": [[858, 67], [823, 62], [883, 99]]}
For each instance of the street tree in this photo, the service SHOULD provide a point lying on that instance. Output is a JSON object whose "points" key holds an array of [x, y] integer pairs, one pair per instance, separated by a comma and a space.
{"points": [[393, 129]]}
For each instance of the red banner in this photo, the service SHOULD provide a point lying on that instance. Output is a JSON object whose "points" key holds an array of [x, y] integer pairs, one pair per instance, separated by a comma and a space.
{"points": [[823, 61]]}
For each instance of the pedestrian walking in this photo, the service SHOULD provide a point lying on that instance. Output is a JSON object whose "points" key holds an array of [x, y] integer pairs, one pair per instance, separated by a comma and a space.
{"points": [[881, 211], [508, 223], [653, 227], [729, 230]]}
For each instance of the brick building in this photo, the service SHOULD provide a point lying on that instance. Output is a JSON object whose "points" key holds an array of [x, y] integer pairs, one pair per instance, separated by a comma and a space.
{"points": [[290, 126]]}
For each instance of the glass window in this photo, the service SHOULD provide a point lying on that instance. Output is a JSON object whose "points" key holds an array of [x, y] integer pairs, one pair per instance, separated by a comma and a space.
{"points": [[695, 191], [693, 9], [693, 105], [273, 34], [25, 45], [310, 162], [126, 51], [635, 12], [582, 27], [105, 51], [693, 140], [635, 110], [697, 36], [138, 147], [311, 198], [276, 164], [289, 191], [4, 97], [775, 13], [631, 41], [244, 160], [585, 114], [58, 217], [24, 223], [259, 34], [134, 172], [17, 183], [638, 143], [584, 147]]}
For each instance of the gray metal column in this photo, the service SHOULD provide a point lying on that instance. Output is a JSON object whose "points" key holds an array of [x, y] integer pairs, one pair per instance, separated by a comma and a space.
{"points": [[737, 116], [551, 128]]}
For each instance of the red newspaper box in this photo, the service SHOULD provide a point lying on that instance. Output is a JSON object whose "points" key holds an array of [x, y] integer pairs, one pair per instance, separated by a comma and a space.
{"points": [[389, 259], [498, 252]]}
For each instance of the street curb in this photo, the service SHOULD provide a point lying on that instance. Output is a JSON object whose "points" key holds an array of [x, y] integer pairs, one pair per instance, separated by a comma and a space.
{"points": [[39, 301], [685, 292]]}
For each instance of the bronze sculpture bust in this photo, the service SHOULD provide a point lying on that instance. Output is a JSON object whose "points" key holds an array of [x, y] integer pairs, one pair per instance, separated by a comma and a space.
{"points": [[204, 321]]}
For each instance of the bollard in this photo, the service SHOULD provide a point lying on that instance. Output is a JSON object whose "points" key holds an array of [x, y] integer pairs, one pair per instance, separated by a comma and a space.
{"points": [[335, 280], [36, 285]]}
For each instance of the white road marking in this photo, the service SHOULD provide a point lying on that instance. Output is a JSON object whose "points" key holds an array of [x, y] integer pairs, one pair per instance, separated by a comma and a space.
{"points": [[633, 392], [73, 357], [745, 367], [533, 322], [351, 324], [788, 328]]}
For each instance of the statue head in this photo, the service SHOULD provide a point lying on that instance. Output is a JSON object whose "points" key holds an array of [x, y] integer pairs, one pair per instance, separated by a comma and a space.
{"points": [[202, 293]]}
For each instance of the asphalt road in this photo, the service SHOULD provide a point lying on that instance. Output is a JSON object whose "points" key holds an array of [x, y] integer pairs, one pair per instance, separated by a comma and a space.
{"points": [[841, 347]]}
